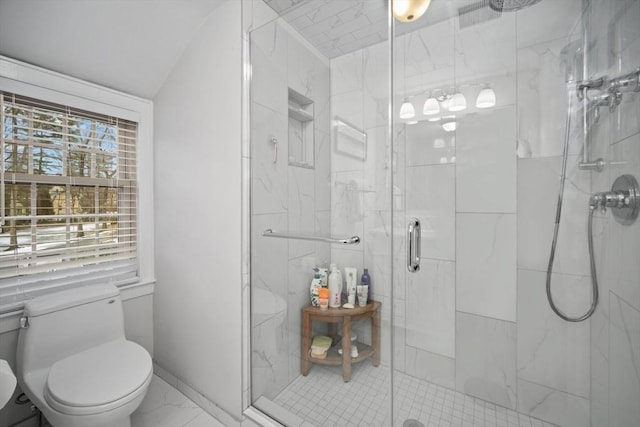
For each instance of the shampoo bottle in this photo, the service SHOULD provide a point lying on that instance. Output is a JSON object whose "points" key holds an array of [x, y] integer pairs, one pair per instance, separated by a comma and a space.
{"points": [[335, 286]]}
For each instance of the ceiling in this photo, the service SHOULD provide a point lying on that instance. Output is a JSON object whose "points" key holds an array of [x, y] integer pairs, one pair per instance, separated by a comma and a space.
{"points": [[128, 45], [132, 45], [339, 27]]}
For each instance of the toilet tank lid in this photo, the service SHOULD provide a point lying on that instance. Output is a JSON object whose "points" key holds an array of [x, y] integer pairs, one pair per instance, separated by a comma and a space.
{"points": [[69, 298]]}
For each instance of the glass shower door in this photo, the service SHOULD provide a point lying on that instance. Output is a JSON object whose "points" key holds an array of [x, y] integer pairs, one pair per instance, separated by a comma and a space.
{"points": [[319, 144], [486, 96]]}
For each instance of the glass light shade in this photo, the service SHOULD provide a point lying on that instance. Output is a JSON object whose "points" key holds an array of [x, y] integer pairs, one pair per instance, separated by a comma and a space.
{"points": [[407, 111], [486, 98], [431, 107], [438, 143], [457, 102], [409, 10], [449, 126]]}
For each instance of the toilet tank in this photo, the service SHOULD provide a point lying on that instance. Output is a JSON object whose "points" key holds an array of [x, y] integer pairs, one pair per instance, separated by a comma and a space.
{"points": [[66, 322]]}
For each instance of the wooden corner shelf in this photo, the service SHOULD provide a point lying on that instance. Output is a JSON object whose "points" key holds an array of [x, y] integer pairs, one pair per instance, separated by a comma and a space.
{"points": [[345, 316], [335, 358]]}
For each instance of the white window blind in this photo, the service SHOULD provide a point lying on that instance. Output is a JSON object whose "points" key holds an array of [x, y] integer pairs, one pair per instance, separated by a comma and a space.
{"points": [[67, 196]]}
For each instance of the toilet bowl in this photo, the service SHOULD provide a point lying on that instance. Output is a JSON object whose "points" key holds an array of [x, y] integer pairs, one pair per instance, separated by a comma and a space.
{"points": [[74, 362]]}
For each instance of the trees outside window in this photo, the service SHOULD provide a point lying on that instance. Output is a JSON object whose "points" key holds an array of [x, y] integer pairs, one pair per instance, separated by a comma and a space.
{"points": [[67, 185]]}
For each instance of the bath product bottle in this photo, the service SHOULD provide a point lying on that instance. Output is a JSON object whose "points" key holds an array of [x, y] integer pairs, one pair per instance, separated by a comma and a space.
{"points": [[324, 277], [335, 286], [366, 280], [316, 284], [351, 280]]}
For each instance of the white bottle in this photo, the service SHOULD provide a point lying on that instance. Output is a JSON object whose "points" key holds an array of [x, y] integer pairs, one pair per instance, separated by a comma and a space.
{"points": [[316, 284], [335, 286]]}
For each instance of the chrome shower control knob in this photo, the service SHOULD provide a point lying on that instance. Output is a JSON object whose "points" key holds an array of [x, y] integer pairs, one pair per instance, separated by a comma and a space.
{"points": [[626, 211], [623, 199]]}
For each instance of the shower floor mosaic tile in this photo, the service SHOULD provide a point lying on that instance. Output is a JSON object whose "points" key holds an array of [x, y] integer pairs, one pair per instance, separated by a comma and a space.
{"points": [[323, 399]]}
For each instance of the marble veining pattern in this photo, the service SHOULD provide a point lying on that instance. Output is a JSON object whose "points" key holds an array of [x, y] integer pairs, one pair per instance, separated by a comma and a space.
{"points": [[543, 338], [486, 265], [164, 406], [624, 366], [486, 358]]}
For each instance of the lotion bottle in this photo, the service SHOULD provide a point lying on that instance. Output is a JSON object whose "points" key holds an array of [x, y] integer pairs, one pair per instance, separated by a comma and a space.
{"points": [[365, 280], [316, 284], [335, 286], [351, 281]]}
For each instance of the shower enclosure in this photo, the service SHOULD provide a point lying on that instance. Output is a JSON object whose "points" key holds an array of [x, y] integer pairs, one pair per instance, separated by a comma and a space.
{"points": [[433, 153]]}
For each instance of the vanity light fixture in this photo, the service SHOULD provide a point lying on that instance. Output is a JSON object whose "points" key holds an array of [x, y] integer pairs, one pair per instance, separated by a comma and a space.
{"points": [[406, 110], [431, 107], [409, 10], [486, 98], [457, 102]]}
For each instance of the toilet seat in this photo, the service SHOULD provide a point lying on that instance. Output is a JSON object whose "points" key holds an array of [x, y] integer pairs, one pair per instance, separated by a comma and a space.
{"points": [[98, 379]]}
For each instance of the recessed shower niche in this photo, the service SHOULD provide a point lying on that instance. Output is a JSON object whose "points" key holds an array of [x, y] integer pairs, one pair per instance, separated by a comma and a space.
{"points": [[301, 130]]}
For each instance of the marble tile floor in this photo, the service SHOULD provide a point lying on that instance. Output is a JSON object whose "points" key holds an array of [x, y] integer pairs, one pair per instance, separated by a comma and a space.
{"points": [[323, 399], [164, 406]]}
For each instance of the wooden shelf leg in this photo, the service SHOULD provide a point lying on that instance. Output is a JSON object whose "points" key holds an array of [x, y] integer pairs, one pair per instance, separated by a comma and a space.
{"points": [[333, 332], [375, 337], [305, 364], [346, 348]]}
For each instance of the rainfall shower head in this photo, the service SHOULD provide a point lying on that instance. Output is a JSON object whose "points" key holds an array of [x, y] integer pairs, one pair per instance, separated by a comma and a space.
{"points": [[510, 5]]}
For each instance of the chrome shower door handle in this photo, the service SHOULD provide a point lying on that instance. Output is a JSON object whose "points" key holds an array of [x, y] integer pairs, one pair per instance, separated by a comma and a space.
{"points": [[413, 245]]}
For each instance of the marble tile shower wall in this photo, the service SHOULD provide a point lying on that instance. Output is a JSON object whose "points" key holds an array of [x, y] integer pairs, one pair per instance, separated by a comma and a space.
{"points": [[615, 332], [475, 318], [285, 198]]}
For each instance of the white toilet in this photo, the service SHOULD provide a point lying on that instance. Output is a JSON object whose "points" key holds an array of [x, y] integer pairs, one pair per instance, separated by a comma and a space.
{"points": [[74, 362]]}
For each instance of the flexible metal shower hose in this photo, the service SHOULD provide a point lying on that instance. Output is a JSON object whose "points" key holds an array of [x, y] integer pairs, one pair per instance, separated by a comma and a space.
{"points": [[594, 278]]}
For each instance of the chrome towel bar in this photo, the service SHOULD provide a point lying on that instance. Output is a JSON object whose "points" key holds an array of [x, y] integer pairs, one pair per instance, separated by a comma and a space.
{"points": [[354, 240]]}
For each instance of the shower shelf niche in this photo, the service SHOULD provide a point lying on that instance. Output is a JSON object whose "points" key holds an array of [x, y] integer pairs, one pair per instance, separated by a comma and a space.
{"points": [[301, 130]]}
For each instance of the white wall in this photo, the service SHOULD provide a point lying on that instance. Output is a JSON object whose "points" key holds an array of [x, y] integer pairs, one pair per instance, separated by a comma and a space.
{"points": [[198, 206]]}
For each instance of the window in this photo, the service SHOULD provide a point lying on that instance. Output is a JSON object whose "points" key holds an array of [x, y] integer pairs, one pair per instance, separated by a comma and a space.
{"points": [[67, 193]]}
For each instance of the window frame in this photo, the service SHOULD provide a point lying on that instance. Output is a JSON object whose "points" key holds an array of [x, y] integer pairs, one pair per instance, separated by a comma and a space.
{"points": [[37, 83]]}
